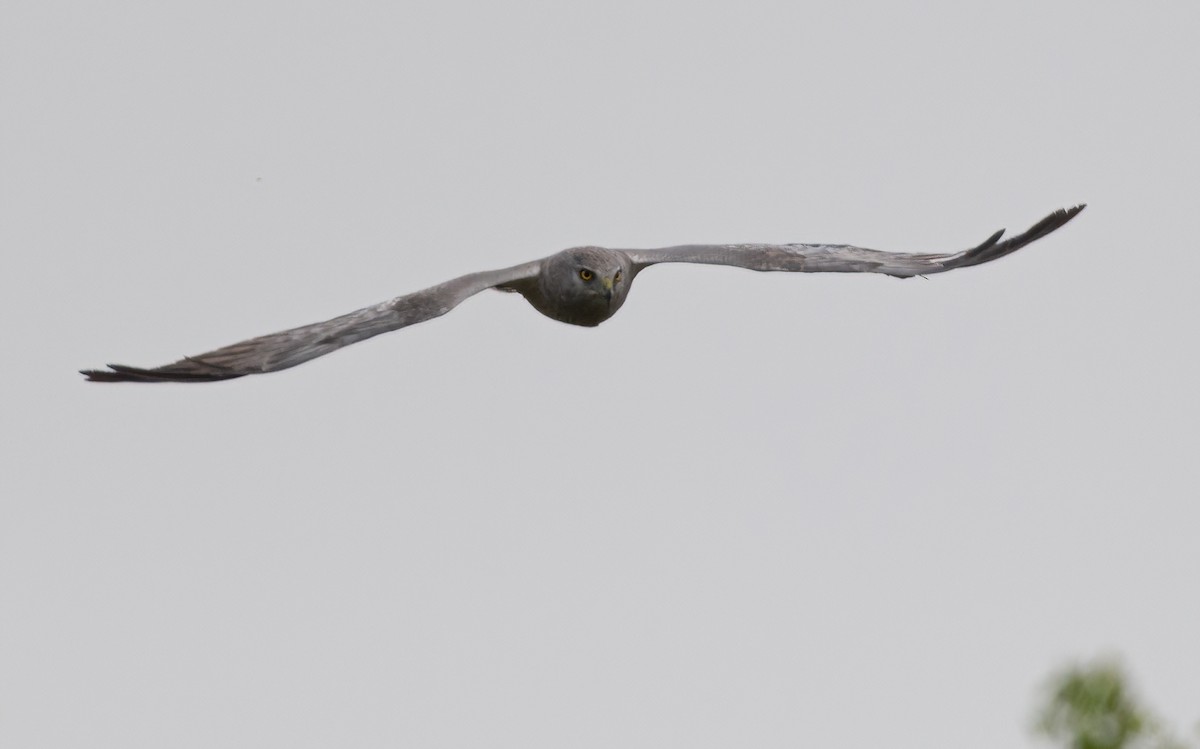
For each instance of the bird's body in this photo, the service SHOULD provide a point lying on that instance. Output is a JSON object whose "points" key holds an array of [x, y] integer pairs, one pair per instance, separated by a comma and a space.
{"points": [[580, 286]]}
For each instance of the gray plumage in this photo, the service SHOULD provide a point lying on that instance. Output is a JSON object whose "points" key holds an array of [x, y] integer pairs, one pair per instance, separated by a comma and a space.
{"points": [[579, 286]]}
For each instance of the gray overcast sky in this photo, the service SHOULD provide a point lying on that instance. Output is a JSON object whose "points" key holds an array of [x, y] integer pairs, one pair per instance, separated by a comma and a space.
{"points": [[751, 510]]}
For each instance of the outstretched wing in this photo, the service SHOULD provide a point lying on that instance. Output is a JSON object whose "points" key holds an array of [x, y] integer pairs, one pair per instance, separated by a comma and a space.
{"points": [[844, 258], [288, 348]]}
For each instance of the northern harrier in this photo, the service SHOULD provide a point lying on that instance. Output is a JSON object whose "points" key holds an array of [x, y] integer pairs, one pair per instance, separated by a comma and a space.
{"points": [[580, 286]]}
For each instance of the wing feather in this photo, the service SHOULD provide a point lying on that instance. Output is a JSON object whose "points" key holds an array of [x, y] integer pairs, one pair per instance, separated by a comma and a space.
{"points": [[844, 258], [287, 348]]}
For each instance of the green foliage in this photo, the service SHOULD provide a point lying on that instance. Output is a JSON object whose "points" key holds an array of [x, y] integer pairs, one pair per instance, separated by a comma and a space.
{"points": [[1091, 707]]}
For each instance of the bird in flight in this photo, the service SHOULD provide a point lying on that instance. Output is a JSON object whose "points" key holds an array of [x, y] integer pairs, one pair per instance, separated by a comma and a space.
{"points": [[579, 286]]}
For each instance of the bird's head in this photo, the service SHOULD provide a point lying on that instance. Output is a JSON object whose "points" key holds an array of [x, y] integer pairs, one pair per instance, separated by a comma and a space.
{"points": [[588, 284]]}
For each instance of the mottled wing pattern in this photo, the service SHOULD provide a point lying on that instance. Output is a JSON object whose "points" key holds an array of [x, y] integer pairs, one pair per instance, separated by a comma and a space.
{"points": [[270, 353], [844, 258]]}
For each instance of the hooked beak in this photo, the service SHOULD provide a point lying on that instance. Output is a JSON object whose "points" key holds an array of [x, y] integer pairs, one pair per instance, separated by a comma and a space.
{"points": [[607, 283]]}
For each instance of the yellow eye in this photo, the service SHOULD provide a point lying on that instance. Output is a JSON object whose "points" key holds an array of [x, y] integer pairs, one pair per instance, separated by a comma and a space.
{"points": [[617, 276], [585, 274]]}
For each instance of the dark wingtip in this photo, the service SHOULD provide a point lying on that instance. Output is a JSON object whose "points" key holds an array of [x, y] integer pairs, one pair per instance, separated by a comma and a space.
{"points": [[992, 250], [989, 241], [125, 373], [1061, 216], [1052, 222], [101, 375], [121, 373]]}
